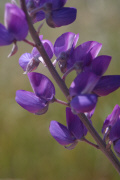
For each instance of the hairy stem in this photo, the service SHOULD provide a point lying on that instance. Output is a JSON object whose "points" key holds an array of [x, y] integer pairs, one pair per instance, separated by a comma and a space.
{"points": [[109, 154]]}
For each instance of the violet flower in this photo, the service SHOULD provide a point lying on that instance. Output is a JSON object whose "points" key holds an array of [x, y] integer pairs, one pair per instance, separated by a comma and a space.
{"points": [[68, 56], [53, 11], [30, 61], [111, 128], [71, 134], [111, 119], [16, 28], [83, 100], [38, 101]]}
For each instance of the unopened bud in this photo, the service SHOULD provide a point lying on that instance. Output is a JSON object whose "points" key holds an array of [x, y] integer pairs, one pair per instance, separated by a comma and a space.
{"points": [[32, 65]]}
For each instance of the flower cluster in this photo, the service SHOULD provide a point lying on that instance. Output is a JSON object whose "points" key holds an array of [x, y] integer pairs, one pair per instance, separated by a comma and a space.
{"points": [[89, 83], [53, 11]]}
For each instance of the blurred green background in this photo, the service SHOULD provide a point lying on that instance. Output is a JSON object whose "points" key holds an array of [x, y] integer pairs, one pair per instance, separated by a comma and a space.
{"points": [[27, 150]]}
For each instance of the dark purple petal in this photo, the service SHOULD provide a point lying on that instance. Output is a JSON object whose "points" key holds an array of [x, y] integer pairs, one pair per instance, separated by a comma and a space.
{"points": [[24, 60], [15, 21], [111, 118], [61, 17], [65, 42], [31, 102], [74, 124], [100, 64], [42, 86], [61, 134], [57, 4], [83, 103], [107, 84], [39, 16], [6, 38], [115, 131], [86, 52], [83, 83], [116, 146]]}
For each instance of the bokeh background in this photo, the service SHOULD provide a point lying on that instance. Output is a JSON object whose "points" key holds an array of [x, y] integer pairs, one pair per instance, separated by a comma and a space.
{"points": [[27, 150]]}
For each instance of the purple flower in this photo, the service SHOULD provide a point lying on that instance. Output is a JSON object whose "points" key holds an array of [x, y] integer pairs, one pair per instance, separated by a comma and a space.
{"points": [[16, 28], [74, 131], [111, 128], [115, 130], [81, 56], [30, 61], [112, 118], [81, 91], [53, 11], [38, 101]]}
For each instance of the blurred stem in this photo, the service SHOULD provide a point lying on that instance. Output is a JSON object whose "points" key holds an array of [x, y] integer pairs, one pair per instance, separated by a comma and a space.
{"points": [[61, 102], [109, 154], [90, 143], [29, 42]]}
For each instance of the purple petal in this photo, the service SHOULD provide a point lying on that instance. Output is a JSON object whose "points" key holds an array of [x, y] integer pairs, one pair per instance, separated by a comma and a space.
{"points": [[116, 146], [60, 133], [65, 42], [115, 131], [24, 60], [87, 51], [39, 16], [107, 84], [83, 103], [100, 64], [6, 38], [74, 124], [57, 4], [31, 102], [111, 118], [41, 85], [61, 17], [15, 21], [83, 83], [48, 47]]}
